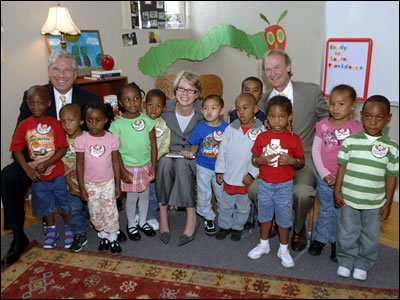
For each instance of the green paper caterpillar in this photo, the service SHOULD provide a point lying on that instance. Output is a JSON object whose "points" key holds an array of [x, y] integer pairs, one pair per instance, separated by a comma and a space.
{"points": [[157, 60]]}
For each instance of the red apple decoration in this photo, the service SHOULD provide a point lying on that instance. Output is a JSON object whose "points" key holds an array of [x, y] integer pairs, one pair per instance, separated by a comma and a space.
{"points": [[107, 62], [275, 35]]}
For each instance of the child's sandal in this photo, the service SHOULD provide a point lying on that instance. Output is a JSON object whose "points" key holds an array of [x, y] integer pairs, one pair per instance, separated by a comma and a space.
{"points": [[68, 237], [50, 238]]}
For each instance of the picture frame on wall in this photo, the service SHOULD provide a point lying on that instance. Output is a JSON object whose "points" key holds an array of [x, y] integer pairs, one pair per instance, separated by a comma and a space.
{"points": [[86, 46]]}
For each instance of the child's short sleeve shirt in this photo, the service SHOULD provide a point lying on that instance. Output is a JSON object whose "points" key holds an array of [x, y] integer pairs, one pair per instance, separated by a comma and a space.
{"points": [[208, 138], [98, 156], [43, 137]]}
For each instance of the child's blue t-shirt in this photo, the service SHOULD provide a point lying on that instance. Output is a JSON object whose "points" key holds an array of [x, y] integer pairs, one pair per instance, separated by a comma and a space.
{"points": [[208, 138]]}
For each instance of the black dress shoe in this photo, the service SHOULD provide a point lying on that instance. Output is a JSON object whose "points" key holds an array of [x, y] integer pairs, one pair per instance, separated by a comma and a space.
{"points": [[15, 251], [316, 248], [133, 233], [333, 252], [274, 229], [299, 240], [222, 233], [121, 236]]}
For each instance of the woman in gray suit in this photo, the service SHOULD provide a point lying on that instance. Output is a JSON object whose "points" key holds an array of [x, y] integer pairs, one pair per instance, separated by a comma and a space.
{"points": [[176, 177]]}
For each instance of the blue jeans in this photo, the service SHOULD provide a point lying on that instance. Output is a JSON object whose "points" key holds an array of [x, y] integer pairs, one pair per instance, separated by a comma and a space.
{"points": [[79, 216], [325, 227], [275, 198], [47, 196], [153, 203], [357, 237], [233, 211], [206, 179]]}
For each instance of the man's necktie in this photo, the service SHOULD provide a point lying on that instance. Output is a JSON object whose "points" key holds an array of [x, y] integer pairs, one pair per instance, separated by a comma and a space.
{"points": [[63, 100]]}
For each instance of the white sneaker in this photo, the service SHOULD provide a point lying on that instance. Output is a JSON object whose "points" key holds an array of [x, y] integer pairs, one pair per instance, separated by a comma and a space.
{"points": [[359, 274], [258, 251], [154, 224], [286, 259], [344, 272]]}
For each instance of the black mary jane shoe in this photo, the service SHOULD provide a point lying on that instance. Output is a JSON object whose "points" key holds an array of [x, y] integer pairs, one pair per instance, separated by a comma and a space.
{"points": [[133, 233], [147, 229]]}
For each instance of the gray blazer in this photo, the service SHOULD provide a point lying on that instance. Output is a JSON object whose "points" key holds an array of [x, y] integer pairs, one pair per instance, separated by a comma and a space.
{"points": [[179, 139], [309, 107]]}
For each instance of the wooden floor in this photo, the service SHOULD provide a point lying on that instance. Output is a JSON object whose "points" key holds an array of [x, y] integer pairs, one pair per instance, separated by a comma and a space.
{"points": [[389, 229]]}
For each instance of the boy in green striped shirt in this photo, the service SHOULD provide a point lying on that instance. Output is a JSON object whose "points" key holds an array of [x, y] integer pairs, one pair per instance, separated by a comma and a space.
{"points": [[365, 184]]}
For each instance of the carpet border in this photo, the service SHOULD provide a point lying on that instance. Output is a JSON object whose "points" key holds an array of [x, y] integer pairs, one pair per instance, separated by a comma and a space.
{"points": [[35, 243]]}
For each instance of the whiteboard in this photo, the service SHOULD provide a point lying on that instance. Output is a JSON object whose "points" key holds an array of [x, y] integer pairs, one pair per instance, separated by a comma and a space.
{"points": [[348, 61]]}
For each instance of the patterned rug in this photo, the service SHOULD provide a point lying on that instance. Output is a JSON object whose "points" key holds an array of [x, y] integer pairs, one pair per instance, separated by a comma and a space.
{"points": [[57, 273]]}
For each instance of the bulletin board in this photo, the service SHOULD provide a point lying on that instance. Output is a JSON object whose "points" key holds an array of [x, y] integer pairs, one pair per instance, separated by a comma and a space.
{"points": [[348, 61]]}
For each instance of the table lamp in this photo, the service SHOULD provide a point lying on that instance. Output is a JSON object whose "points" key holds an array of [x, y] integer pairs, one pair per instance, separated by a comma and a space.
{"points": [[59, 22]]}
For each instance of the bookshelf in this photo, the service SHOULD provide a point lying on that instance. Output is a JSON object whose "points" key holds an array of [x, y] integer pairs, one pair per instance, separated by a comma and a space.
{"points": [[102, 87]]}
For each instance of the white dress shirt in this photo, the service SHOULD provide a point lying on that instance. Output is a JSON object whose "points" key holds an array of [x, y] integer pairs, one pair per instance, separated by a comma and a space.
{"points": [[68, 100]]}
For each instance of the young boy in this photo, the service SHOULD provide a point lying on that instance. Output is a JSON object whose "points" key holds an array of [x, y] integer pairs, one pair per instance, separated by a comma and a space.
{"points": [[71, 121], [205, 140], [365, 184], [254, 86], [46, 143], [155, 105], [234, 167]]}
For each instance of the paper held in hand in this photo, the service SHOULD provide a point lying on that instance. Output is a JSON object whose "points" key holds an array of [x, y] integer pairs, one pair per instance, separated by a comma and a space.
{"points": [[177, 154]]}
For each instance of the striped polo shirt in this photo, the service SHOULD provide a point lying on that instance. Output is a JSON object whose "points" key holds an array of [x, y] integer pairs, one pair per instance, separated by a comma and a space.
{"points": [[367, 163]]}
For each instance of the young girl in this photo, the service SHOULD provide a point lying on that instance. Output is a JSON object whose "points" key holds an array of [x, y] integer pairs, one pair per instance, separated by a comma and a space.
{"points": [[138, 156], [97, 168], [276, 151], [329, 137]]}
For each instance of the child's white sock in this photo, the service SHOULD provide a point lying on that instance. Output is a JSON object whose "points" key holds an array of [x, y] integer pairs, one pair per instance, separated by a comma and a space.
{"points": [[264, 243], [102, 235], [283, 247], [112, 236]]}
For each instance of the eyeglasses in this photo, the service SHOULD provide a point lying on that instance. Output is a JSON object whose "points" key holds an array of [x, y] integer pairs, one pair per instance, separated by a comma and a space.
{"points": [[59, 71], [182, 90]]}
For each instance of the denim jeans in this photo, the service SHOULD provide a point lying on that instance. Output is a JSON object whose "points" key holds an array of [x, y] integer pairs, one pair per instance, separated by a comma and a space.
{"points": [[79, 216], [233, 211], [206, 178], [275, 198], [153, 204], [325, 227], [357, 237]]}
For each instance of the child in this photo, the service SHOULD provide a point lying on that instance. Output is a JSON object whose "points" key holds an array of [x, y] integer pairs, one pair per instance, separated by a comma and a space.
{"points": [[205, 140], [138, 156], [97, 169], [254, 86], [234, 167], [329, 136], [46, 142], [71, 121], [365, 184], [277, 151], [155, 105]]}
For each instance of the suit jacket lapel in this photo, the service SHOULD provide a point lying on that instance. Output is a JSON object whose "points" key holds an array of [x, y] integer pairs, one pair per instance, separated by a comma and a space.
{"points": [[52, 110]]}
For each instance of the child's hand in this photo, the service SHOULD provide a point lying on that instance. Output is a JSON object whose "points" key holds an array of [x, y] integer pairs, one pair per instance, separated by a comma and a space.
{"points": [[84, 195], [286, 159], [267, 160], [330, 179], [152, 173], [247, 180], [117, 191], [125, 176], [384, 212], [220, 178], [187, 154], [33, 174], [73, 189], [339, 202]]}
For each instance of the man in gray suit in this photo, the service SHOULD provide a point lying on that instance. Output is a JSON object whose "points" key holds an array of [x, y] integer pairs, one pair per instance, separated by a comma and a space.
{"points": [[309, 107]]}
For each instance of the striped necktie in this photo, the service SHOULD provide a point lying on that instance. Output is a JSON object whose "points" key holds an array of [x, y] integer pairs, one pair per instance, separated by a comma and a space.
{"points": [[63, 100]]}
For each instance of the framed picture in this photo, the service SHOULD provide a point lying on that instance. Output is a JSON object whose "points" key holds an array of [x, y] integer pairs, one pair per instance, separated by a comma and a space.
{"points": [[86, 46]]}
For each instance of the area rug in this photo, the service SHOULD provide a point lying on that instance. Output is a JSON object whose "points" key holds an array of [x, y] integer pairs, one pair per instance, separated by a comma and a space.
{"points": [[57, 273]]}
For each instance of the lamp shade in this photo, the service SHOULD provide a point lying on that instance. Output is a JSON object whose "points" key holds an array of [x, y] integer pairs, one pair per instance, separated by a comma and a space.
{"points": [[59, 21]]}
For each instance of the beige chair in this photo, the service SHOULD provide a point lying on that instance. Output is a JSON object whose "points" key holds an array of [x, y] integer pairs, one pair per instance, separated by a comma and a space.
{"points": [[211, 84]]}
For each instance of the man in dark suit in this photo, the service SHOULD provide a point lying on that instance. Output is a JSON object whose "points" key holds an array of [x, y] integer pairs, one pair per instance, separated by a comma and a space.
{"points": [[62, 71], [309, 107]]}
